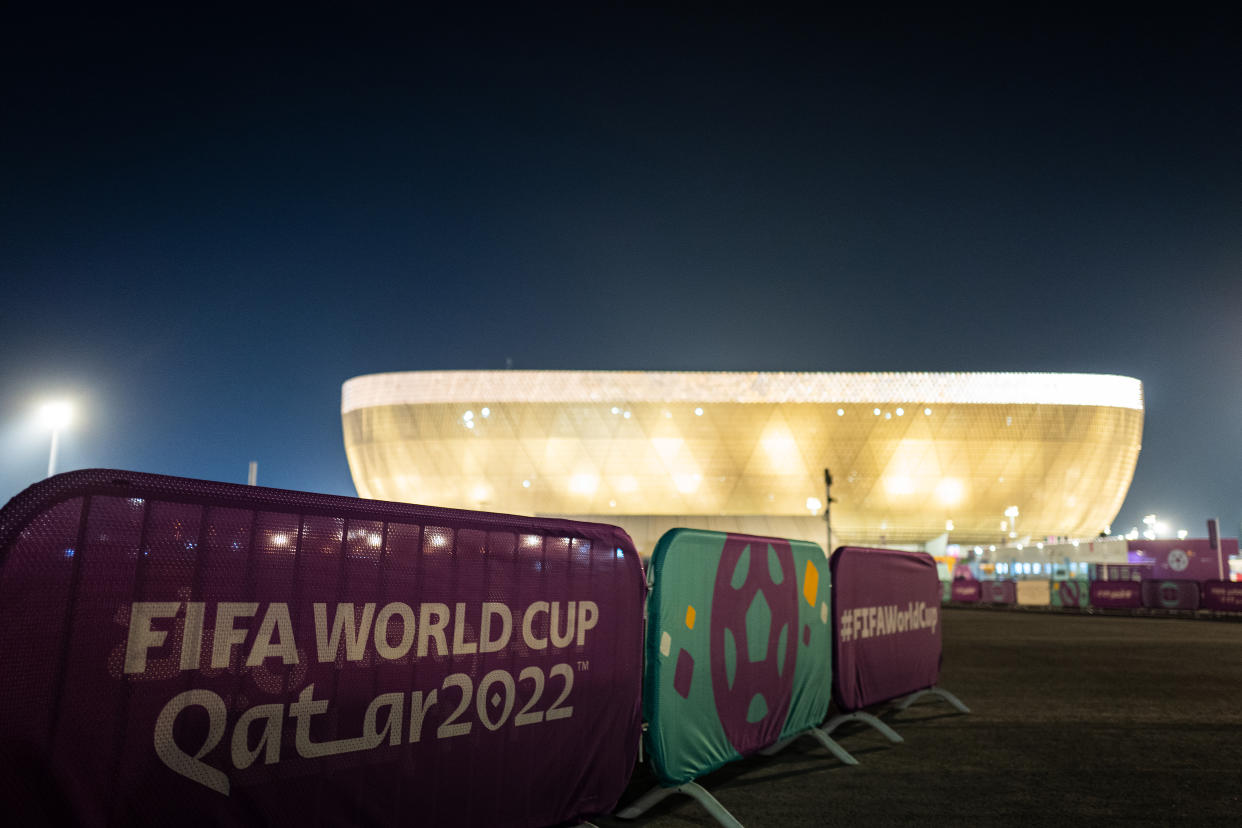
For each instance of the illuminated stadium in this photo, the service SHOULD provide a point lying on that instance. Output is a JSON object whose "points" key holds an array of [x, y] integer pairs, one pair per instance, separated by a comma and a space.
{"points": [[912, 454]]}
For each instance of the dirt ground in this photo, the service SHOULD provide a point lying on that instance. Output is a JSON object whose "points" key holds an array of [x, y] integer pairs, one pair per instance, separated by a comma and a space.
{"points": [[1075, 718]]}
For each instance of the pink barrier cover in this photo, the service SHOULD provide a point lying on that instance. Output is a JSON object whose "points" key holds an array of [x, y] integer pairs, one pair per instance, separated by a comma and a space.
{"points": [[1116, 594], [965, 591], [1222, 596], [886, 625], [177, 652], [998, 592], [1170, 594]]}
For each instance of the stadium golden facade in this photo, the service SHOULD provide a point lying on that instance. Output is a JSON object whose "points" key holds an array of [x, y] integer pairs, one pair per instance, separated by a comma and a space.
{"points": [[911, 453]]}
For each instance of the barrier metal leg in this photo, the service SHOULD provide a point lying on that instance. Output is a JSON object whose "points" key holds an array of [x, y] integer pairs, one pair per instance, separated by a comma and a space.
{"points": [[694, 790], [866, 718], [935, 691], [820, 736]]}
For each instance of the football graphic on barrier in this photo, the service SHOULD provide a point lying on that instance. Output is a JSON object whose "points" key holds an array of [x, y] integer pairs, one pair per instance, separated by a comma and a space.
{"points": [[754, 639]]}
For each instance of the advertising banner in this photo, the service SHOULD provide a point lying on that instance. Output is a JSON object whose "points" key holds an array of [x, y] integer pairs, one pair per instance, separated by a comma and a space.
{"points": [[1169, 594], [998, 592], [176, 651], [886, 625], [1222, 596], [966, 591], [1192, 559], [738, 648], [1116, 594], [1075, 592]]}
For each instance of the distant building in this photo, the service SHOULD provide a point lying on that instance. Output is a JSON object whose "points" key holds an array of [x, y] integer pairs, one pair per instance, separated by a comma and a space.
{"points": [[912, 455]]}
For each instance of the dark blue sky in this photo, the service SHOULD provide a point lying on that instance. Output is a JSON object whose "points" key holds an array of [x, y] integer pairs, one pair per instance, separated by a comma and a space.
{"points": [[208, 224]]}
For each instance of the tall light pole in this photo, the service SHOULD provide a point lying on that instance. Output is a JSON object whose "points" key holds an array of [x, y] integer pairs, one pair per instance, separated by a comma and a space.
{"points": [[828, 501], [55, 416]]}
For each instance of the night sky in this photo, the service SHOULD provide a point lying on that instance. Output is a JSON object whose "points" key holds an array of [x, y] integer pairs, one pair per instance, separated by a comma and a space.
{"points": [[209, 223]]}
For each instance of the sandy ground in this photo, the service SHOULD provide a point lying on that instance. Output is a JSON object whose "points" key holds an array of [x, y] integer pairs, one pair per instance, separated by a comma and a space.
{"points": [[1102, 720]]}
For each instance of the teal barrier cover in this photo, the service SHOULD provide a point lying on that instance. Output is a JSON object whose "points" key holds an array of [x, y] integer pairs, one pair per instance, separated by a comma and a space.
{"points": [[946, 591], [1072, 592], [739, 648]]}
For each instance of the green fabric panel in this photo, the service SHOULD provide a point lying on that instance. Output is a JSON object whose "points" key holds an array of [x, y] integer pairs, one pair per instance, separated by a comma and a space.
{"points": [[946, 591], [1080, 586], [686, 737]]}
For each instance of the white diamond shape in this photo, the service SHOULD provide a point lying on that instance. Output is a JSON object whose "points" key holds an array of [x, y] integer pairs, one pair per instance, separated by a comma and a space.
{"points": [[495, 699], [666, 644]]}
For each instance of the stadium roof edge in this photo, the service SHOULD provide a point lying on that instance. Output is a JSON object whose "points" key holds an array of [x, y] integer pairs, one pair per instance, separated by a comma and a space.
{"points": [[555, 386]]}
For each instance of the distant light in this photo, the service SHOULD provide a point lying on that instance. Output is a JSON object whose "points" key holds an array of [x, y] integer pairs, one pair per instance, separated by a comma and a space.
{"points": [[1074, 543], [927, 411], [374, 539], [687, 483], [1182, 533], [900, 412], [616, 410], [469, 423], [813, 504], [888, 415], [1039, 545], [840, 412], [487, 412], [525, 484], [1012, 512], [469, 415], [280, 539], [479, 493], [698, 412], [949, 491], [627, 415], [992, 548], [899, 485], [56, 415], [1013, 534], [612, 504], [875, 411], [583, 484], [948, 526]]}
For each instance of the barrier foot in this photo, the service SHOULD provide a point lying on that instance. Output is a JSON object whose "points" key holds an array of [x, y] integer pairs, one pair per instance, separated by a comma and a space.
{"points": [[691, 789], [935, 691], [820, 736], [866, 718]]}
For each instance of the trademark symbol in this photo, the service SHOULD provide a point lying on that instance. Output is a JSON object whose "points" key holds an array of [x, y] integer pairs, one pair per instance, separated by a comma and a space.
{"points": [[584, 665]]}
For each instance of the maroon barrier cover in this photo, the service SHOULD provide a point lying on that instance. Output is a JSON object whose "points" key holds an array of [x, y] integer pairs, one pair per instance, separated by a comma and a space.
{"points": [[965, 591], [1170, 594], [1116, 594], [181, 652], [998, 592], [1222, 596], [886, 625]]}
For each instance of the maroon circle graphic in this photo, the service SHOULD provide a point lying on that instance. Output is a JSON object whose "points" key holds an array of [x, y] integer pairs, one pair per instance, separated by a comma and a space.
{"points": [[761, 689]]}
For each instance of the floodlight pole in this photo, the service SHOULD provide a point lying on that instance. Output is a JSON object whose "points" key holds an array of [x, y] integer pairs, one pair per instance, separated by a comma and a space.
{"points": [[828, 506], [51, 458]]}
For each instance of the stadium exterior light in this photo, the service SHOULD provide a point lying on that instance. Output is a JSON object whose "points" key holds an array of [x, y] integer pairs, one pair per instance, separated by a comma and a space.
{"points": [[55, 416]]}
